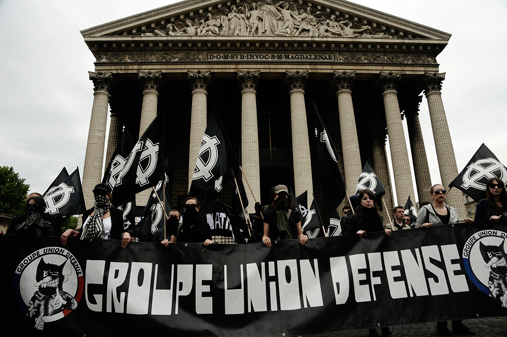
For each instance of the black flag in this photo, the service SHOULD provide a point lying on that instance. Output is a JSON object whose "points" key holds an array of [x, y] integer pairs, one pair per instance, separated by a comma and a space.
{"points": [[330, 176], [215, 163], [483, 166], [142, 169], [59, 179], [153, 213], [65, 198], [410, 210], [369, 180], [240, 225], [311, 222]]}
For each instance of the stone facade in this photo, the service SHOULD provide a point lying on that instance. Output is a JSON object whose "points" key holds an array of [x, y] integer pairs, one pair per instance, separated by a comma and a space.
{"points": [[362, 68]]}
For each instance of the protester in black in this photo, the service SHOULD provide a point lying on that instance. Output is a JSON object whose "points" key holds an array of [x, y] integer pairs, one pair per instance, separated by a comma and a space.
{"points": [[281, 220], [171, 229], [494, 207], [31, 223], [193, 228], [103, 221], [367, 217]]}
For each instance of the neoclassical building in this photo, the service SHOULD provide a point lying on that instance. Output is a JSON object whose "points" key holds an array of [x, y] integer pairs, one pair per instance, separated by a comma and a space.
{"points": [[257, 64]]}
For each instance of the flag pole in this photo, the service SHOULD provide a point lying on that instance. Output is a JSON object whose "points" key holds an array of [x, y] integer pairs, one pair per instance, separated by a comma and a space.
{"points": [[387, 211], [243, 208], [163, 207], [350, 202], [160, 202], [248, 184]]}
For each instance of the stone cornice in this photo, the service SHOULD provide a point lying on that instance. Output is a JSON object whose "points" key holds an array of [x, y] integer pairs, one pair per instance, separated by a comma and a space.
{"points": [[352, 9]]}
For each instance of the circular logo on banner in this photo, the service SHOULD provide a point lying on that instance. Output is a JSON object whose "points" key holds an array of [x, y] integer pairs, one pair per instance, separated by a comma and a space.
{"points": [[484, 259], [48, 285]]}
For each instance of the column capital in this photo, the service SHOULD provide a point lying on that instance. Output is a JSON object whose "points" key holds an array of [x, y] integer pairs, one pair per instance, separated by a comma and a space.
{"points": [[412, 106], [151, 80], [389, 80], [296, 80], [433, 82], [248, 80], [342, 80], [101, 81], [199, 80]]}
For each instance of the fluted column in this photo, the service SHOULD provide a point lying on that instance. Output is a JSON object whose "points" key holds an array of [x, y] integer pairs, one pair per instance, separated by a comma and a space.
{"points": [[151, 82], [380, 165], [94, 157], [350, 144], [443, 141], [114, 135], [200, 82], [397, 143], [419, 158], [249, 136], [295, 81]]}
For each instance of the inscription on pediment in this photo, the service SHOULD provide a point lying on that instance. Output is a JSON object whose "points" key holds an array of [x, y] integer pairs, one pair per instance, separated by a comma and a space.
{"points": [[267, 18]]}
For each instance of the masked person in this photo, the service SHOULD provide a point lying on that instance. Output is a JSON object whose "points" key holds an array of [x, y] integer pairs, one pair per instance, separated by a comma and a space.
{"points": [[103, 221], [193, 228], [32, 223], [171, 230], [281, 220]]}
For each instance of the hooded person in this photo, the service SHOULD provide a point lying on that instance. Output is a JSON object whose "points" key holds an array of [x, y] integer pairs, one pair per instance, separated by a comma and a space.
{"points": [[193, 228], [281, 220], [31, 223], [103, 221]]}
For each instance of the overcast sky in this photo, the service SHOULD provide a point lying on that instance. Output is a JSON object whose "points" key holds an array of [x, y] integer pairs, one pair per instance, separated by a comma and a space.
{"points": [[46, 96]]}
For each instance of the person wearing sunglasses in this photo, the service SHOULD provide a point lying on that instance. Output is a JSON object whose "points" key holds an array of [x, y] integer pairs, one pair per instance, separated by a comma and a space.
{"points": [[193, 229], [437, 212], [281, 220], [494, 207]]}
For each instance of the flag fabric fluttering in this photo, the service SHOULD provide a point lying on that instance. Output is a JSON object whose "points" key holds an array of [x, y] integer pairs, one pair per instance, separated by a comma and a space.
{"points": [[215, 163], [483, 166], [142, 168], [154, 213], [410, 210], [369, 180], [330, 176], [65, 196], [311, 222]]}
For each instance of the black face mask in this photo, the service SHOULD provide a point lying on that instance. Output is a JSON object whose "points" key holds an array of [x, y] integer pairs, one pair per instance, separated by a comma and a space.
{"points": [[32, 209], [281, 203], [191, 215]]}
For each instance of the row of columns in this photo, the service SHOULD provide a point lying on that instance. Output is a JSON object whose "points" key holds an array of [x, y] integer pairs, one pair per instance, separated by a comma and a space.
{"points": [[295, 81]]}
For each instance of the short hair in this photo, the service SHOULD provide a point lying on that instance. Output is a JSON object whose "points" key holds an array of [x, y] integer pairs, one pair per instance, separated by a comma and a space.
{"points": [[175, 210], [396, 207], [37, 194], [192, 198]]}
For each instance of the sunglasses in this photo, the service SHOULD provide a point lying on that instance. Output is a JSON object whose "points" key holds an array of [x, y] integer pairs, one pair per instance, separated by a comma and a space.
{"points": [[190, 206], [496, 185], [440, 191]]}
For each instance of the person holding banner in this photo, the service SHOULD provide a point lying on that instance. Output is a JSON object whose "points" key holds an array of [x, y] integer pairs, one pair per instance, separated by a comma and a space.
{"points": [[436, 213], [103, 221], [193, 229], [281, 220], [367, 217], [494, 207], [399, 222], [171, 229]]}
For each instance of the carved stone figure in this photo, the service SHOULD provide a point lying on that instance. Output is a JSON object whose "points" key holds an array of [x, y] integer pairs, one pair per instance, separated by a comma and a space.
{"points": [[308, 25], [224, 20], [270, 17], [286, 27], [252, 14], [211, 26], [348, 31]]}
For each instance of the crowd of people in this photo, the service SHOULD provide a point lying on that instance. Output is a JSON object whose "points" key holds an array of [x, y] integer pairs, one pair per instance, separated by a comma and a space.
{"points": [[279, 220]]}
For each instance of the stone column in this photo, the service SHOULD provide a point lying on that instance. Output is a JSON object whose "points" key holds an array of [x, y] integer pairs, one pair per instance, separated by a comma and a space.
{"points": [[249, 136], [114, 135], [295, 81], [350, 144], [94, 157], [397, 143], [380, 165], [151, 82], [443, 141], [419, 158], [200, 82]]}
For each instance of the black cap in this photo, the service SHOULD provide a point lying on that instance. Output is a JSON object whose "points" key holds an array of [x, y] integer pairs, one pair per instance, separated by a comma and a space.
{"points": [[101, 188]]}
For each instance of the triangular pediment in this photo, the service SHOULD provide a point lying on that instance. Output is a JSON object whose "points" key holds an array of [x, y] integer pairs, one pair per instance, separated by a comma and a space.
{"points": [[251, 20]]}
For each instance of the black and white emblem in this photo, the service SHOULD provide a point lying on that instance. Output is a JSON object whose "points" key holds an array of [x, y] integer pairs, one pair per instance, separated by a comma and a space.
{"points": [[367, 180], [207, 158], [57, 197], [120, 166], [149, 155], [324, 138], [482, 170]]}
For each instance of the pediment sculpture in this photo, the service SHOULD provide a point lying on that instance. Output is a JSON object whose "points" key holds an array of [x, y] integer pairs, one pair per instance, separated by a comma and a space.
{"points": [[264, 18]]}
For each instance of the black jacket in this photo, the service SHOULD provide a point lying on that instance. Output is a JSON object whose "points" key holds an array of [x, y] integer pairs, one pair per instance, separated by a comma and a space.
{"points": [[117, 225], [42, 228]]}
